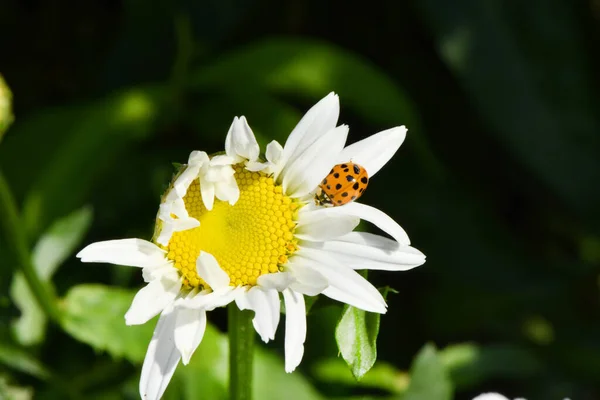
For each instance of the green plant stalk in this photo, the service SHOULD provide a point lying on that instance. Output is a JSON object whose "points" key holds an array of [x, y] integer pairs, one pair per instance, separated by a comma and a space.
{"points": [[241, 353], [17, 241]]}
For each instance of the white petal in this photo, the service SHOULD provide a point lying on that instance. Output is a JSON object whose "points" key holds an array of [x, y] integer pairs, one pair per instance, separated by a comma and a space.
{"points": [[362, 250], [183, 181], [228, 191], [323, 225], [207, 191], [278, 281], [274, 152], [255, 166], [321, 118], [273, 164], [221, 161], [345, 284], [302, 175], [209, 300], [184, 224], [374, 216], [208, 268], [189, 330], [307, 279], [131, 252], [295, 328], [491, 396], [375, 151], [265, 304], [161, 358], [151, 300], [240, 141]]}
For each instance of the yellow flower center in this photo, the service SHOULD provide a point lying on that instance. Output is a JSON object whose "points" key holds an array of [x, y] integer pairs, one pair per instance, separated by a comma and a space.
{"points": [[251, 238]]}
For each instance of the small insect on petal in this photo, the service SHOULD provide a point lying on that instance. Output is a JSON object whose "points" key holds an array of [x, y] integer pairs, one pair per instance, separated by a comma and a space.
{"points": [[345, 183]]}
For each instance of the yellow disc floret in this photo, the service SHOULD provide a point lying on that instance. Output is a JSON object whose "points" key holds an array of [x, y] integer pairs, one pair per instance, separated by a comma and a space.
{"points": [[251, 238]]}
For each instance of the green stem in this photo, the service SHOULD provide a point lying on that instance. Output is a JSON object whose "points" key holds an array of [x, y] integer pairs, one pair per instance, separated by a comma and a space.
{"points": [[17, 240], [241, 352]]}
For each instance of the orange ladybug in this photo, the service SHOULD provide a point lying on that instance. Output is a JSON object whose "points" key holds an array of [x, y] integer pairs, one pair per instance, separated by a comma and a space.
{"points": [[345, 183]]}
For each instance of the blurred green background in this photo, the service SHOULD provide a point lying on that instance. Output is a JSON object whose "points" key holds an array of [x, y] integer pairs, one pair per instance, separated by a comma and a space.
{"points": [[498, 182]]}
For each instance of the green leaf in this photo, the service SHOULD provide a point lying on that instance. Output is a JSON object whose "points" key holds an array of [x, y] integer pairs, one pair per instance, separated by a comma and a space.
{"points": [[53, 248], [311, 69], [356, 336], [273, 383], [93, 314], [428, 378], [12, 392], [73, 147], [6, 116], [19, 359], [382, 376]]}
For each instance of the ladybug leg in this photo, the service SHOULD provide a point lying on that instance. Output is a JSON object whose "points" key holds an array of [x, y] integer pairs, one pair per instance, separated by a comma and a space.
{"points": [[321, 198]]}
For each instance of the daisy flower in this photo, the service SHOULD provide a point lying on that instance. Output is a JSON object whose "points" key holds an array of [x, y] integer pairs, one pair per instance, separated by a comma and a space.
{"points": [[235, 227]]}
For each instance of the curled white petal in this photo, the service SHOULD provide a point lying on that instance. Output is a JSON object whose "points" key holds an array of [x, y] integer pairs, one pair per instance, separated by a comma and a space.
{"points": [[217, 179], [295, 328], [208, 268], [207, 191], [491, 396], [189, 330], [240, 143], [375, 151], [130, 252], [196, 160], [265, 304], [174, 217], [161, 358], [273, 165]]}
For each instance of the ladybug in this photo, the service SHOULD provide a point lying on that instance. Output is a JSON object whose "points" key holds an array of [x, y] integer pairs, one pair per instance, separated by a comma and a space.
{"points": [[345, 183]]}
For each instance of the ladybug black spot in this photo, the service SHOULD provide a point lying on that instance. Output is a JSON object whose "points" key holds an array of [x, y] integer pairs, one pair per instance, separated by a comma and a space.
{"points": [[356, 169], [364, 179], [331, 172], [346, 170], [345, 194], [344, 166], [328, 187], [349, 178], [336, 175], [355, 186], [339, 202], [353, 197], [338, 186], [325, 181], [361, 190]]}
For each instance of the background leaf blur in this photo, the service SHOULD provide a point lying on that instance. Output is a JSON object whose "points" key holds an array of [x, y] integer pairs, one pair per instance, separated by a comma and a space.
{"points": [[498, 182]]}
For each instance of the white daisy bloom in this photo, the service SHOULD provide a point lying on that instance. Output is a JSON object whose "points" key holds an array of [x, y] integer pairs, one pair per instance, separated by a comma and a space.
{"points": [[264, 234], [493, 396]]}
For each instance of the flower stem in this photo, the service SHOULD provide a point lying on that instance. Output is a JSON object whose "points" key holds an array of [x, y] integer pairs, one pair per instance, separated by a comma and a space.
{"points": [[241, 352], [17, 241]]}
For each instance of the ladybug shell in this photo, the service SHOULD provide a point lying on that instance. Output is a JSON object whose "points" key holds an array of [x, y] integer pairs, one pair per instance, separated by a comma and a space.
{"points": [[345, 183]]}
